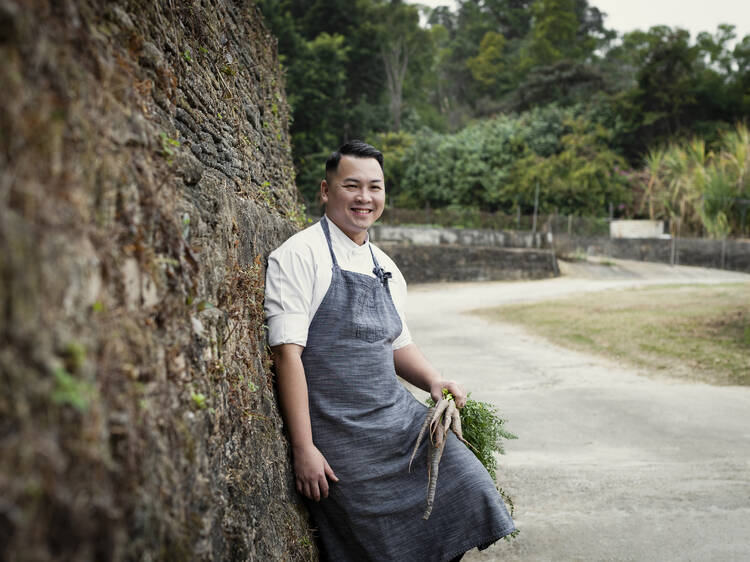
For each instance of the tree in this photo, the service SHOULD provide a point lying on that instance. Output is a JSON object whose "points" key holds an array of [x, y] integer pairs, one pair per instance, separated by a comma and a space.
{"points": [[564, 82], [490, 66], [553, 34], [557, 59], [317, 94], [583, 178], [681, 88], [398, 35], [660, 104], [334, 81]]}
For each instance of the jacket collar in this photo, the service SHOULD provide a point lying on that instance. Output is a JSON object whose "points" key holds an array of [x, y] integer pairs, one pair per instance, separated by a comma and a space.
{"points": [[340, 238]]}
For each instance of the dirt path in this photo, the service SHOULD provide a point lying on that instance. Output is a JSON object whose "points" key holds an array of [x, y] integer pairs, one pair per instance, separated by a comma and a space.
{"points": [[612, 463]]}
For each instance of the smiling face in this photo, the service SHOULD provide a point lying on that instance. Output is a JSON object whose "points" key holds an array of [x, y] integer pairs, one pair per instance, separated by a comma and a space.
{"points": [[355, 196]]}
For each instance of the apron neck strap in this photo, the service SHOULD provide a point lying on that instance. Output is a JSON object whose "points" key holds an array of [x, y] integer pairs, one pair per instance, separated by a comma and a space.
{"points": [[379, 272], [327, 232]]}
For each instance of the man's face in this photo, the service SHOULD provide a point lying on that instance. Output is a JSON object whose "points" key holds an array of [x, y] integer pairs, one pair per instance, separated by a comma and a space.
{"points": [[355, 196]]}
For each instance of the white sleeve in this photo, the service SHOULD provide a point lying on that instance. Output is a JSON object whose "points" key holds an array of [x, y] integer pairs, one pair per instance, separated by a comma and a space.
{"points": [[290, 280], [399, 298]]}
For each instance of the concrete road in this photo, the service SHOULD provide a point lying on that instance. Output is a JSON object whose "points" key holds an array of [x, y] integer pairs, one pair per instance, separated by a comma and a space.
{"points": [[612, 463]]}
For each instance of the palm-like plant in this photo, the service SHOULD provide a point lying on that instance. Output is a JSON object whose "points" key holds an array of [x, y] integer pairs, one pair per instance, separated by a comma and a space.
{"points": [[718, 197], [695, 187], [654, 185], [728, 184]]}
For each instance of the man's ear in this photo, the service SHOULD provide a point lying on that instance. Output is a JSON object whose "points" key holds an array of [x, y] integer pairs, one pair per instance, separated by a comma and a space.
{"points": [[324, 191]]}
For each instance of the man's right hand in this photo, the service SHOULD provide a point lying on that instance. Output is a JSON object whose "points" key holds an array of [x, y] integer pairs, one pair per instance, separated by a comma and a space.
{"points": [[311, 471]]}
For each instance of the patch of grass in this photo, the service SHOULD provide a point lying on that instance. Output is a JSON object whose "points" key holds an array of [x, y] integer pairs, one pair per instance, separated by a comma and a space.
{"points": [[699, 332], [579, 255]]}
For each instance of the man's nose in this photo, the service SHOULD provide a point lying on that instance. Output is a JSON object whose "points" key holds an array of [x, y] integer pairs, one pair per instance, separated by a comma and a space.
{"points": [[363, 194]]}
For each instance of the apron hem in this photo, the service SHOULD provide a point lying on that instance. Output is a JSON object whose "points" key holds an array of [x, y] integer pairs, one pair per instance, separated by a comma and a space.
{"points": [[484, 542]]}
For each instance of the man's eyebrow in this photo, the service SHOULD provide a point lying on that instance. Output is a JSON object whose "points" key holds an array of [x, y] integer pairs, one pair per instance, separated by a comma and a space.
{"points": [[355, 180]]}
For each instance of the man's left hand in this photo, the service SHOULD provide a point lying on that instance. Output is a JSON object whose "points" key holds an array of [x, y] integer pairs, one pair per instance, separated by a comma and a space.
{"points": [[458, 392]]}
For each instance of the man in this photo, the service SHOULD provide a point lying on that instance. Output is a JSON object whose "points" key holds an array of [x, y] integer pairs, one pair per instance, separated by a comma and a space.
{"points": [[335, 307]]}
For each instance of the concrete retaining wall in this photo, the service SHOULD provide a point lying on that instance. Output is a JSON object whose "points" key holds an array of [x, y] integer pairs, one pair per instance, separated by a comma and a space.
{"points": [[729, 254], [430, 263], [459, 236], [456, 254], [636, 229]]}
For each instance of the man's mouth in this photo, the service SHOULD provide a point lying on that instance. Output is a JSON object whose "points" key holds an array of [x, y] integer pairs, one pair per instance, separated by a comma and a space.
{"points": [[359, 211]]}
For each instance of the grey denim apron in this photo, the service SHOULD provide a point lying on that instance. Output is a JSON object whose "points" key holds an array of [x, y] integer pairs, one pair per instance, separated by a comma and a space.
{"points": [[365, 423]]}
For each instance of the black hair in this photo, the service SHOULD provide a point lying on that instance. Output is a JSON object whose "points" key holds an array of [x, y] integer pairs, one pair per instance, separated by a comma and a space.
{"points": [[356, 148]]}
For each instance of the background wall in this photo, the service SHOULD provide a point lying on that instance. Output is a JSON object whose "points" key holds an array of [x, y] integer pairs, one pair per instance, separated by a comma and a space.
{"points": [[431, 263], [462, 236], [145, 173], [479, 254], [727, 254]]}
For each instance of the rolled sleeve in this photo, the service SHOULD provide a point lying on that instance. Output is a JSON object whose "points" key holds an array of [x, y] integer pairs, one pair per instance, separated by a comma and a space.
{"points": [[289, 287], [287, 328], [398, 294], [404, 339]]}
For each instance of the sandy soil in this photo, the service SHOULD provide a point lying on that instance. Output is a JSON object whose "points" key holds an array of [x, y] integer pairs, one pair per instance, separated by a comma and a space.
{"points": [[612, 463]]}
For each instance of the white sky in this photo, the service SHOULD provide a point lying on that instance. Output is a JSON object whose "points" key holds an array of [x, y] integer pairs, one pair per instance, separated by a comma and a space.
{"points": [[693, 15]]}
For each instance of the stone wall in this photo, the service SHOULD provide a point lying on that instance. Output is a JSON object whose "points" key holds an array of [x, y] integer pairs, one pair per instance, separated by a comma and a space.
{"points": [[476, 262], [430, 263], [145, 173], [424, 235], [728, 254], [429, 254]]}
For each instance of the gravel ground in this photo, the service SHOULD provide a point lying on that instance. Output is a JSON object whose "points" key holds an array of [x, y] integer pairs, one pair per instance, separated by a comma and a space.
{"points": [[612, 462]]}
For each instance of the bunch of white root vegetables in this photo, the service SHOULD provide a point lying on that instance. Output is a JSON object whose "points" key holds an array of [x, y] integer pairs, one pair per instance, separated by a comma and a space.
{"points": [[441, 418]]}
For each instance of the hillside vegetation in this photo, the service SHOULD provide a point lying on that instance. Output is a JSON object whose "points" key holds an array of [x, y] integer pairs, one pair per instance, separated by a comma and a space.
{"points": [[477, 107]]}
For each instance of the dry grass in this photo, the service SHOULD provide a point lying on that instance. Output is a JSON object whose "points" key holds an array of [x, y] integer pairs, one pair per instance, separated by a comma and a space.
{"points": [[695, 332]]}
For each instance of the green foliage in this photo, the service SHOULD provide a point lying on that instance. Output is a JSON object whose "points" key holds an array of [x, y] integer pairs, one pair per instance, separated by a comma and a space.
{"points": [[490, 64], [496, 164], [168, 146], [446, 92], [403, 45], [396, 150], [71, 391], [75, 356], [199, 400], [677, 88], [553, 35], [580, 179], [484, 428], [695, 187], [298, 215]]}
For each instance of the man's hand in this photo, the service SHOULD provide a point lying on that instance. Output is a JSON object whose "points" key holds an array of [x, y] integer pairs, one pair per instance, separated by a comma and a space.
{"points": [[413, 367], [310, 467], [458, 392], [311, 470]]}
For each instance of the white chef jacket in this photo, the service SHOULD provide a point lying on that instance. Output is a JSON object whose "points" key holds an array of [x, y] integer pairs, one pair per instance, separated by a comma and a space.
{"points": [[299, 275]]}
